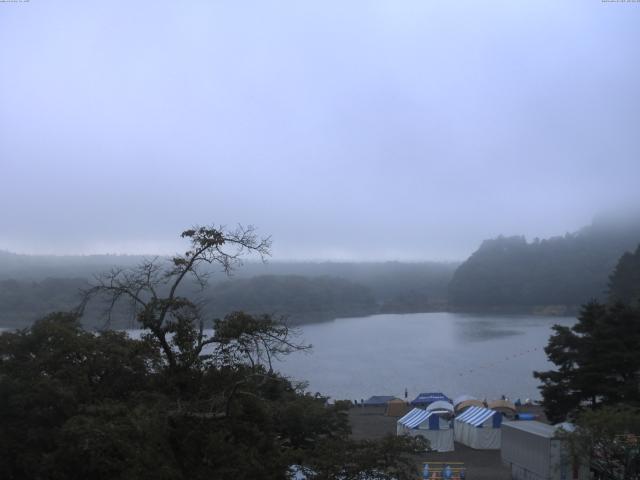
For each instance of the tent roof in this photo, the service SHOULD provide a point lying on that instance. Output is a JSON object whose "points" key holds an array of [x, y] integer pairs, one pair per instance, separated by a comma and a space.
{"points": [[430, 397], [379, 400], [440, 405], [476, 416], [396, 408], [502, 404], [415, 417], [462, 398], [468, 403]]}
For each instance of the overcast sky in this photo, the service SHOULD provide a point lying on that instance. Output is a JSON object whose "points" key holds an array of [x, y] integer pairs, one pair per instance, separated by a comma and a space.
{"points": [[346, 130]]}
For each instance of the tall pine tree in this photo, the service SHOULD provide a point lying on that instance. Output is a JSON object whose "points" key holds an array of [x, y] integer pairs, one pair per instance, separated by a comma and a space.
{"points": [[598, 361]]}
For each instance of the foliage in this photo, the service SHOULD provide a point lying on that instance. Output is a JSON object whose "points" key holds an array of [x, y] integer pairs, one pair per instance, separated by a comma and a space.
{"points": [[388, 459], [609, 440], [562, 271], [598, 361], [176, 403], [624, 282], [32, 286], [302, 298], [49, 374]]}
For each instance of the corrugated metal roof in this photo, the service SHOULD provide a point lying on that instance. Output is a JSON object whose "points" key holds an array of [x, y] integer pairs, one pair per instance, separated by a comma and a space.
{"points": [[533, 427]]}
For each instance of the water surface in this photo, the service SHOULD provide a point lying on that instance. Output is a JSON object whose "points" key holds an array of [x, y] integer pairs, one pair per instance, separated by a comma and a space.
{"points": [[482, 355]]}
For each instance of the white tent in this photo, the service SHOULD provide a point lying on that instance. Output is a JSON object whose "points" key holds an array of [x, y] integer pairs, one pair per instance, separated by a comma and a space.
{"points": [[430, 425], [479, 428], [440, 405]]}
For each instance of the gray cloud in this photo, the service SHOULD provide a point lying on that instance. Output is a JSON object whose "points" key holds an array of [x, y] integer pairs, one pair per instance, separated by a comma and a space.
{"points": [[393, 130]]}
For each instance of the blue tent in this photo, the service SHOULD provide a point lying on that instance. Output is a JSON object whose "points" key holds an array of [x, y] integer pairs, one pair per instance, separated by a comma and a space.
{"points": [[426, 399], [430, 425]]}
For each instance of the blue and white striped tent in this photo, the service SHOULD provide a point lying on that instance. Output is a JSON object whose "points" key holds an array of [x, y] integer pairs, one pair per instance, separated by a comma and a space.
{"points": [[430, 425], [479, 428]]}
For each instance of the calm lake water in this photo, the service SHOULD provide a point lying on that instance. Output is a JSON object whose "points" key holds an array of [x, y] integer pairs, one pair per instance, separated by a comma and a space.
{"points": [[481, 355]]}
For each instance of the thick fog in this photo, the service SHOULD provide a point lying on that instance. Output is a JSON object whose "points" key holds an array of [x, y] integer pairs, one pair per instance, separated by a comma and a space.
{"points": [[346, 130]]}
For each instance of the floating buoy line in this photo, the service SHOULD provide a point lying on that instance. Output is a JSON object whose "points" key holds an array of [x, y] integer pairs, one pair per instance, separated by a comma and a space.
{"points": [[499, 362]]}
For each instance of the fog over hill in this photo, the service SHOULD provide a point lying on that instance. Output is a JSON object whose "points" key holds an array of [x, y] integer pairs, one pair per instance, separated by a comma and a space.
{"points": [[552, 275], [557, 274], [31, 286]]}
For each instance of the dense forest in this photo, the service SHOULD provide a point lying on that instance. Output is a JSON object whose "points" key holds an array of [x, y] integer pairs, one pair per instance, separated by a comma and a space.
{"points": [[32, 286], [561, 272], [624, 283]]}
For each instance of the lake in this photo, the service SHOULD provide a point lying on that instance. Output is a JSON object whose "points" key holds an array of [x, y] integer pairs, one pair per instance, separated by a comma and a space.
{"points": [[482, 355]]}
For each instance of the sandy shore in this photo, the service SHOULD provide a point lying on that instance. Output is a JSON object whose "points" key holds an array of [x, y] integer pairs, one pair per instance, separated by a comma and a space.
{"points": [[371, 423]]}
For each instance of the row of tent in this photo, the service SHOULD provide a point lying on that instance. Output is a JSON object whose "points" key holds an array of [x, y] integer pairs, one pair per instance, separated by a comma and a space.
{"points": [[459, 403], [397, 408], [477, 427], [466, 420]]}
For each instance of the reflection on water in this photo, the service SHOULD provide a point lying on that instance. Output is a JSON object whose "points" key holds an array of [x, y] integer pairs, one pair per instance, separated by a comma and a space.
{"points": [[481, 330], [486, 356]]}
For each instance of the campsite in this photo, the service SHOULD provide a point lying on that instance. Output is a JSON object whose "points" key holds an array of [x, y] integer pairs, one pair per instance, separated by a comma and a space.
{"points": [[472, 439]]}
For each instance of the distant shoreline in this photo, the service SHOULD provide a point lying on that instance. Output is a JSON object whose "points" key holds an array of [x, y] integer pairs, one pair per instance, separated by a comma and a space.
{"points": [[538, 311]]}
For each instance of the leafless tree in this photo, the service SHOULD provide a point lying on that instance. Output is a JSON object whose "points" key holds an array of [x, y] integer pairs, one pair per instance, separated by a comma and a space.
{"points": [[152, 289]]}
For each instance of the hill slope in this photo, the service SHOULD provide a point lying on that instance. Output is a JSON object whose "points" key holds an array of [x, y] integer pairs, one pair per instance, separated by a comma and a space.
{"points": [[511, 273]]}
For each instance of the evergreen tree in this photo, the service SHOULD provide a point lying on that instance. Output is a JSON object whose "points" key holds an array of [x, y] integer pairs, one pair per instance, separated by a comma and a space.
{"points": [[598, 361], [624, 282]]}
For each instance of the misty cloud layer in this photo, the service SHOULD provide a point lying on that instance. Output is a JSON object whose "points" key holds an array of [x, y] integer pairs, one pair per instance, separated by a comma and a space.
{"points": [[346, 130]]}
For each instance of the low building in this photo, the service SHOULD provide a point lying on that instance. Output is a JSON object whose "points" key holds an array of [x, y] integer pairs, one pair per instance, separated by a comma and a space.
{"points": [[535, 451]]}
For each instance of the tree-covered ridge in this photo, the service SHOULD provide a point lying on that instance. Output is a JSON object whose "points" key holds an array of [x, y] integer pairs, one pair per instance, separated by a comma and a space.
{"points": [[624, 283], [568, 270], [301, 298], [301, 291]]}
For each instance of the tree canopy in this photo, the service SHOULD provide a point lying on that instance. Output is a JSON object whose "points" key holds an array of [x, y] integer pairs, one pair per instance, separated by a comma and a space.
{"points": [[608, 439], [181, 401], [624, 282], [509, 272], [597, 360]]}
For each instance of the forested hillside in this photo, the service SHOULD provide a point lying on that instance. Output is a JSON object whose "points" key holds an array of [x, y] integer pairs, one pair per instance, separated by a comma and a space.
{"points": [[32, 286], [624, 283], [509, 272], [305, 298]]}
